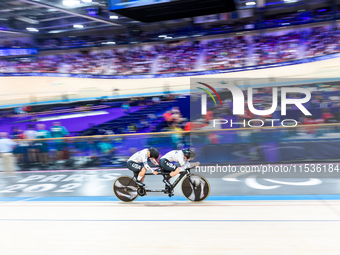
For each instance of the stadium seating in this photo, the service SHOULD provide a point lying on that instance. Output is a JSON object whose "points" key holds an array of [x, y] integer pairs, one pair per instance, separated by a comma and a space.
{"points": [[232, 52]]}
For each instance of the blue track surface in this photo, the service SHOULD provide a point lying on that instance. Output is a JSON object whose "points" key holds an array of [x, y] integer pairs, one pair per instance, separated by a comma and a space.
{"points": [[175, 198]]}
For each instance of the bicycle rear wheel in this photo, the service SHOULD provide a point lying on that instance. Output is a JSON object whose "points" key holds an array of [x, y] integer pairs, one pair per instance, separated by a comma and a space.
{"points": [[195, 188], [125, 189]]}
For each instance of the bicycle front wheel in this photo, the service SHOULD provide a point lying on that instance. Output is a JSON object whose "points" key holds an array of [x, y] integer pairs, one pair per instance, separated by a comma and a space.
{"points": [[195, 188], [125, 189]]}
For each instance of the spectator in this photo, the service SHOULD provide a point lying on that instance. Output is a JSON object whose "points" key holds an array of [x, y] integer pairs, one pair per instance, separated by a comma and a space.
{"points": [[31, 134], [176, 137], [168, 118], [16, 133], [58, 131], [156, 100], [42, 145], [213, 138], [126, 107], [188, 126], [105, 146], [21, 147], [6, 149]]}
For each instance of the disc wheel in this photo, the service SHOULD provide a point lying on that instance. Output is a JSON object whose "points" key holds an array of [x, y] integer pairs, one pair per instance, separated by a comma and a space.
{"points": [[195, 188], [125, 189]]}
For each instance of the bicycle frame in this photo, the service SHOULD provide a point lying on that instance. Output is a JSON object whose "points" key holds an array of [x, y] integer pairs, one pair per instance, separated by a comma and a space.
{"points": [[180, 177], [195, 189]]}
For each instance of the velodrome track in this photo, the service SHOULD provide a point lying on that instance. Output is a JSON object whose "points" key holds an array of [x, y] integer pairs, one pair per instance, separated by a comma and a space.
{"points": [[75, 212], [225, 227], [96, 185]]}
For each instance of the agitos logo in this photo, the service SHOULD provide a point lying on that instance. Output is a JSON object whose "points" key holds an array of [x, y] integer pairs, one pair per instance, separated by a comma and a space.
{"points": [[204, 96], [239, 102]]}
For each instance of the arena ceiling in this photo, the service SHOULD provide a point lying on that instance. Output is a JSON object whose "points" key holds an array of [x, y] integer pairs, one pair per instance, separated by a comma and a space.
{"points": [[52, 16], [58, 16]]}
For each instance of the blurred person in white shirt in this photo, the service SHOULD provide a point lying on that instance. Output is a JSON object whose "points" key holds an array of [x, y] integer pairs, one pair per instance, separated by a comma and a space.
{"points": [[6, 151], [31, 134]]}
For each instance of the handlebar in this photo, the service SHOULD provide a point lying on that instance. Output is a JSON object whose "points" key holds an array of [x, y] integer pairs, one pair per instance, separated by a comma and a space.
{"points": [[160, 171]]}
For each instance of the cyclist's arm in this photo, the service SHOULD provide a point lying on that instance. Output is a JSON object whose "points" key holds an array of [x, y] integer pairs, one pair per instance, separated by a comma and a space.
{"points": [[145, 161], [184, 163], [155, 162]]}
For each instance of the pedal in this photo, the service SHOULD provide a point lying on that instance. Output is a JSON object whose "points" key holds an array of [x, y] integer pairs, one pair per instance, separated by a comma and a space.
{"points": [[167, 183], [141, 191], [169, 191], [139, 183]]}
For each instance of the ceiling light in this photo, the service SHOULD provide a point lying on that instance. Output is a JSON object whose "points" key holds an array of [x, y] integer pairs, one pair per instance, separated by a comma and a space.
{"points": [[32, 29], [86, 1], [162, 36], [78, 26], [71, 2], [250, 3], [114, 17]]}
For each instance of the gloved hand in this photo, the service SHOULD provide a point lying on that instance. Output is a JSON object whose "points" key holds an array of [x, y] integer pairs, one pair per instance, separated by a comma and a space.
{"points": [[196, 163]]}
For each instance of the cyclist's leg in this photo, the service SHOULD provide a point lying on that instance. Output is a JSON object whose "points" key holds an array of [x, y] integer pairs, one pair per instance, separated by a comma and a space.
{"points": [[176, 172], [141, 174], [168, 168], [139, 171]]}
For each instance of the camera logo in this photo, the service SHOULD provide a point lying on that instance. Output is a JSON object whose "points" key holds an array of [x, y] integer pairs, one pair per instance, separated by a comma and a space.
{"points": [[239, 99]]}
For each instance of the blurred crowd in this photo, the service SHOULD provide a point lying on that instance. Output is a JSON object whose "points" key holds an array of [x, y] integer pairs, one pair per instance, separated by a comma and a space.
{"points": [[269, 49], [177, 58], [101, 63], [226, 53], [58, 147], [28, 150], [232, 52], [62, 150], [321, 42]]}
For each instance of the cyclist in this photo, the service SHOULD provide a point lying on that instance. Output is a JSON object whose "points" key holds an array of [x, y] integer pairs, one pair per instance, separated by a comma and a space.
{"points": [[183, 157], [138, 163]]}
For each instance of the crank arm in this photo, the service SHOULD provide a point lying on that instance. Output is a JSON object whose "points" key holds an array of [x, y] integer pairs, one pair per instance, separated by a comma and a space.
{"points": [[155, 190]]}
